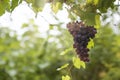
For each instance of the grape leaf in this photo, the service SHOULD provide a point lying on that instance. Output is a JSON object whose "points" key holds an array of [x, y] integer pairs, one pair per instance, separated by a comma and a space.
{"points": [[56, 6], [65, 51], [96, 2], [87, 17], [77, 63], [4, 5], [37, 5], [63, 66], [72, 15], [2, 10], [89, 1], [90, 44], [29, 1], [14, 3], [66, 77], [97, 21], [103, 5]]}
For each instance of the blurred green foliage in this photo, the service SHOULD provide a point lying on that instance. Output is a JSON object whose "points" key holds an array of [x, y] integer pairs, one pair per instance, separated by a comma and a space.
{"points": [[33, 57], [30, 56]]}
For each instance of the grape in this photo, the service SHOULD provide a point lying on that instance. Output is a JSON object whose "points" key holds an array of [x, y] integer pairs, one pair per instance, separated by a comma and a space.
{"points": [[81, 36]]}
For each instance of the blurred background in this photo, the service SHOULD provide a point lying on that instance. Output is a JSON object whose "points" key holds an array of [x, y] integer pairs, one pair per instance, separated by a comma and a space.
{"points": [[30, 46]]}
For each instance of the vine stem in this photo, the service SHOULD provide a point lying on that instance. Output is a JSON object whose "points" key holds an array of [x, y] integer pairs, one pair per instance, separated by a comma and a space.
{"points": [[69, 70]]}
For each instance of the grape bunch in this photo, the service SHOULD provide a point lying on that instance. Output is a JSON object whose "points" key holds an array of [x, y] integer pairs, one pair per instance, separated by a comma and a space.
{"points": [[81, 36]]}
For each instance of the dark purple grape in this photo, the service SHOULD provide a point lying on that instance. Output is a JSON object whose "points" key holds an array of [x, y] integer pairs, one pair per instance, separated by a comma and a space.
{"points": [[81, 36]]}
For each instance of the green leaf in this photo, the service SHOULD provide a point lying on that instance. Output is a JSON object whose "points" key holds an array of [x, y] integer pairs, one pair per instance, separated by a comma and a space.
{"points": [[4, 5], [89, 1], [67, 77], [77, 63], [63, 66], [89, 18], [56, 6], [82, 64], [51, 27], [25, 25], [97, 21], [66, 51], [105, 4], [14, 3], [29, 1], [96, 2], [90, 44], [86, 16], [2, 10], [71, 15], [37, 5]]}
